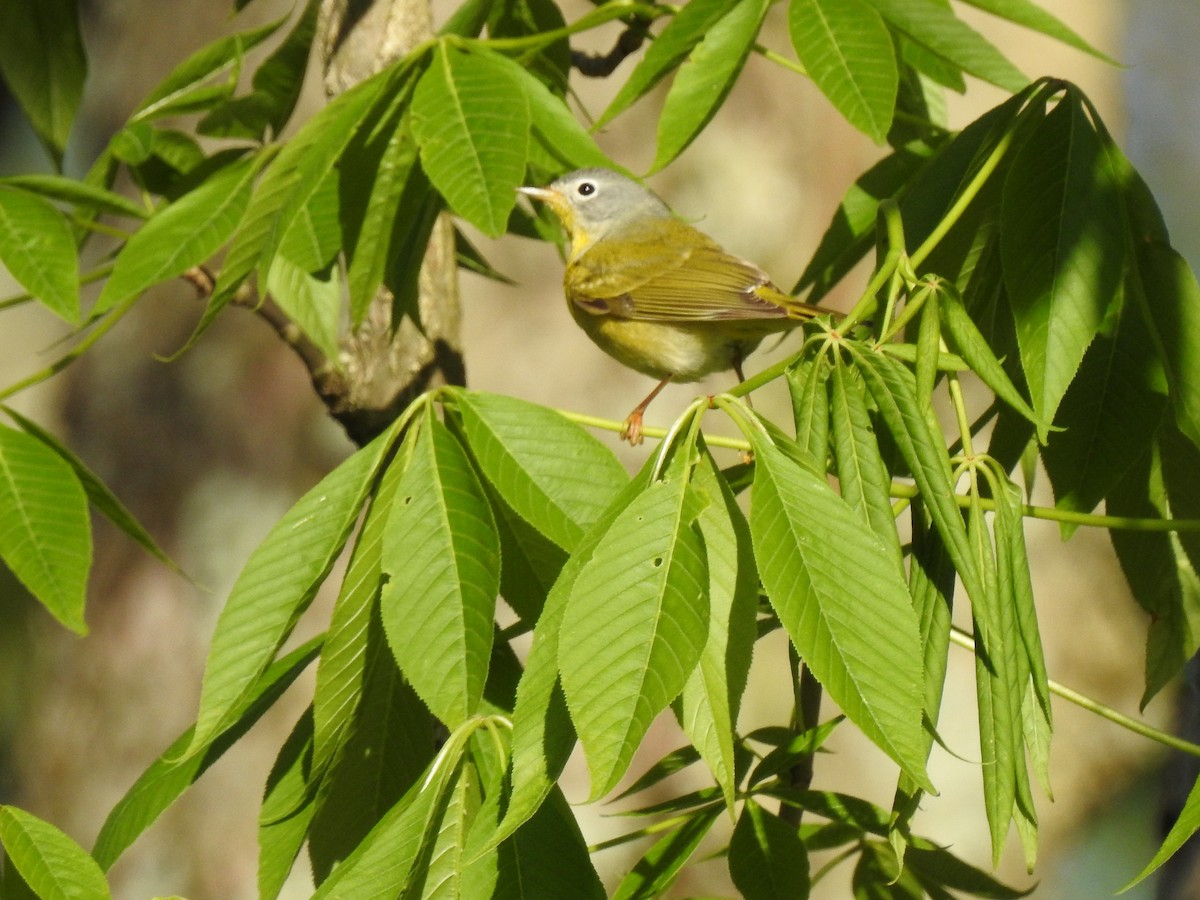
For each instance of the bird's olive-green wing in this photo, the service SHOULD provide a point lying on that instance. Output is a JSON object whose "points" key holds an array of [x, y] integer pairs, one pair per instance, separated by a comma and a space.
{"points": [[668, 271]]}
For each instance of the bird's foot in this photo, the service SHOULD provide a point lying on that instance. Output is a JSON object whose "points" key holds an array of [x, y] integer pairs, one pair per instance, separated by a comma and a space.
{"points": [[632, 429]]}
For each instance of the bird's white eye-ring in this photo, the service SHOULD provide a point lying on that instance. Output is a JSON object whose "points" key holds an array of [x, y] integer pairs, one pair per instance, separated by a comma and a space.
{"points": [[586, 189]]}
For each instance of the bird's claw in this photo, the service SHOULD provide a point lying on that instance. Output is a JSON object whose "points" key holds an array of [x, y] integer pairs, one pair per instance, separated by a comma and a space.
{"points": [[632, 429]]}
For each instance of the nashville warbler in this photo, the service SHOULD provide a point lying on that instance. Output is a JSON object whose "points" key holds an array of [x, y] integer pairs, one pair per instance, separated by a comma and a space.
{"points": [[655, 293]]}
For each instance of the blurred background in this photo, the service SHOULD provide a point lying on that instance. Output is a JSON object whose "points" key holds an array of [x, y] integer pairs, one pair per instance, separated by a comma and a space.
{"points": [[208, 451]]}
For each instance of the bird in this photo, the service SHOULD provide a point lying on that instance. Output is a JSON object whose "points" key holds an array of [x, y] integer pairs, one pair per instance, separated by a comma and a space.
{"points": [[655, 293]]}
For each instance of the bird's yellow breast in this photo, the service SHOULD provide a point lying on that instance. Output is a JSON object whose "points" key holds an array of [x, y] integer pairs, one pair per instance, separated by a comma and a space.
{"points": [[685, 351]]}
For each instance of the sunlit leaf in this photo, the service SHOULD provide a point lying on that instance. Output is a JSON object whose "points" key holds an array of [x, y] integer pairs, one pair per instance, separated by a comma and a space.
{"points": [[277, 584], [705, 80], [471, 120], [636, 623], [656, 871], [820, 564], [442, 554], [38, 249], [684, 31], [848, 53], [934, 26], [53, 865], [543, 735], [554, 474], [189, 87], [710, 700], [45, 534], [1063, 249], [184, 234]]}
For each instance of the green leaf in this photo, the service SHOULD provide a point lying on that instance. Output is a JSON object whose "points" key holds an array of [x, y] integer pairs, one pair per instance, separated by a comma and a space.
{"points": [[848, 53], [687, 28], [1111, 414], [554, 474], [653, 874], [173, 772], [1063, 249], [53, 865], [37, 247], [386, 741], [187, 88], [287, 184], [550, 60], [935, 27], [184, 234], [442, 554], [277, 584], [44, 65], [877, 876], [704, 81], [287, 809], [77, 193], [1172, 309], [711, 698], [543, 734], [636, 622], [342, 668], [1180, 462], [810, 407], [454, 869], [822, 569], [472, 122], [1012, 560], [1183, 828], [97, 491], [920, 443], [45, 534], [386, 159], [928, 345], [548, 857], [395, 854], [1000, 676], [1162, 581], [275, 88], [931, 584], [965, 339], [767, 859], [937, 868], [1032, 16], [939, 184], [531, 561], [554, 126], [863, 478], [303, 274]]}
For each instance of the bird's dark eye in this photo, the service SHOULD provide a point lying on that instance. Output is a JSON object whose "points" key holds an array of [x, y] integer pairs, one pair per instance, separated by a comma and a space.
{"points": [[586, 189]]}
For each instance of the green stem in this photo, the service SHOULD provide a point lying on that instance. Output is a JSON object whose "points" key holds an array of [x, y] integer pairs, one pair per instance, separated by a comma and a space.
{"points": [[780, 60], [714, 440], [977, 181], [960, 413], [903, 491], [1050, 514], [869, 300], [1095, 706]]}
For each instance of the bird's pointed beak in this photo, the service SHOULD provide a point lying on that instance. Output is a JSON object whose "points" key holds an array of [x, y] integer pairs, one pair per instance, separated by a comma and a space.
{"points": [[544, 194], [553, 199]]}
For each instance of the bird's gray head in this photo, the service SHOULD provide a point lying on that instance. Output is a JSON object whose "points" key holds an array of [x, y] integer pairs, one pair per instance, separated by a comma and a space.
{"points": [[602, 201]]}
